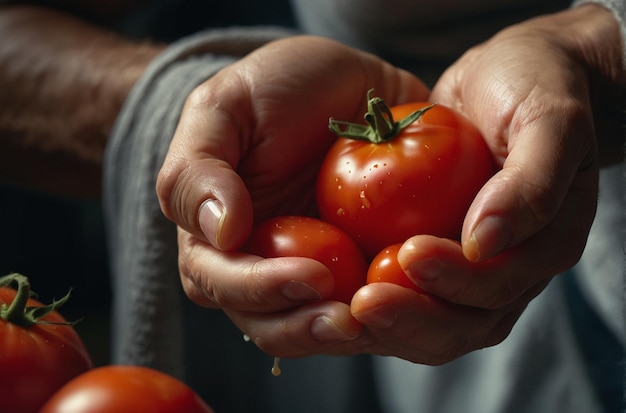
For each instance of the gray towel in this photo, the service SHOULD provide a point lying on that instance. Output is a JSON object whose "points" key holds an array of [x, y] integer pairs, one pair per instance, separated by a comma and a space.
{"points": [[147, 309]]}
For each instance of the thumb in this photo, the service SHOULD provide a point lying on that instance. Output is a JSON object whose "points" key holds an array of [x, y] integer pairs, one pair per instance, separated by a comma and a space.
{"points": [[207, 198], [197, 186], [539, 183]]}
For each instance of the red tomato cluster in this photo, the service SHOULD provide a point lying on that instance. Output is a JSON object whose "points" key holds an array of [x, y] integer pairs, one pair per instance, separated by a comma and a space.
{"points": [[45, 367], [379, 185]]}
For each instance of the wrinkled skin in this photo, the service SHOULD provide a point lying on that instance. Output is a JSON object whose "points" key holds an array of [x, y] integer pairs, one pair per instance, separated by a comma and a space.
{"points": [[527, 90]]}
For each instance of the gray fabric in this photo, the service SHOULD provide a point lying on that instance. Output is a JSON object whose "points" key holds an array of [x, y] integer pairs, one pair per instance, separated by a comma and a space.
{"points": [[602, 263], [423, 37], [147, 308], [536, 369]]}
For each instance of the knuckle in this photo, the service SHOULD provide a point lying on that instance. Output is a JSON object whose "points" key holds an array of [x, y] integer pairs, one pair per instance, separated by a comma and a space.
{"points": [[461, 293], [200, 96], [254, 285], [486, 295], [169, 185], [510, 289], [281, 337], [198, 283], [537, 199]]}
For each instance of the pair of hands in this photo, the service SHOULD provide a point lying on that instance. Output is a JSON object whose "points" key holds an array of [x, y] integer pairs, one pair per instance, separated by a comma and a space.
{"points": [[251, 139]]}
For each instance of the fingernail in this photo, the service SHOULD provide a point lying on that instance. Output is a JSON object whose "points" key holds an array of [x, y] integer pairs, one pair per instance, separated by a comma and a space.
{"points": [[299, 292], [325, 330], [378, 317], [211, 218], [489, 238], [428, 269]]}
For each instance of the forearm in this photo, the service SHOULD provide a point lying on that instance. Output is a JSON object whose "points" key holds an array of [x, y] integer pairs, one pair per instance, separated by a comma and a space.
{"points": [[63, 82]]}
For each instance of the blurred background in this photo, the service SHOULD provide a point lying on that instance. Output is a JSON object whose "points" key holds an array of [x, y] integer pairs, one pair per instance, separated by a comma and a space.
{"points": [[60, 244]]}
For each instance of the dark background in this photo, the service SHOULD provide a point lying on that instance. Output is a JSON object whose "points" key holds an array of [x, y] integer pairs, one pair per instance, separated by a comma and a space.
{"points": [[60, 244]]}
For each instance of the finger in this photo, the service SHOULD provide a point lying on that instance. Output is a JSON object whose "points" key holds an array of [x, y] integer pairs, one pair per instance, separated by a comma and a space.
{"points": [[225, 128], [218, 279], [439, 266], [538, 125], [320, 328], [197, 185], [425, 329], [532, 186]]}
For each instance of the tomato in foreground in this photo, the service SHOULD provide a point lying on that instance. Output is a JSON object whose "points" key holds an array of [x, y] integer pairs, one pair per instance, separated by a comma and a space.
{"points": [[299, 236], [386, 268], [388, 181], [125, 389], [39, 350]]}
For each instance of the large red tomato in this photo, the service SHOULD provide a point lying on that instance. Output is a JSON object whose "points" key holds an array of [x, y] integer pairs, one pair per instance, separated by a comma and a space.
{"points": [[39, 349], [298, 236], [125, 389], [391, 180]]}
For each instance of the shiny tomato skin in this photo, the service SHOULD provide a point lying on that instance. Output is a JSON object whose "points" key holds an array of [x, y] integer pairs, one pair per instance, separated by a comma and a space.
{"points": [[300, 236], [420, 182], [36, 361], [386, 268], [125, 389]]}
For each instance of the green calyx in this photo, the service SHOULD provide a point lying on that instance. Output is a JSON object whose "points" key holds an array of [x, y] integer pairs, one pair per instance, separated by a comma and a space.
{"points": [[18, 312], [380, 127]]}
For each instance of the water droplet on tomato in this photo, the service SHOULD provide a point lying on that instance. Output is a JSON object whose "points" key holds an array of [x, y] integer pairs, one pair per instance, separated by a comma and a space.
{"points": [[365, 203]]}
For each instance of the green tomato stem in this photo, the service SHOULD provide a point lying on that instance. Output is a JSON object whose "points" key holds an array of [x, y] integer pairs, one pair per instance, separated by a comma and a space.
{"points": [[380, 126], [18, 312]]}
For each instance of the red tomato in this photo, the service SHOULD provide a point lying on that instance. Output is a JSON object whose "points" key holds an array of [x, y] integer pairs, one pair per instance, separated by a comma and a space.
{"points": [[36, 358], [296, 236], [386, 268], [418, 181], [125, 389]]}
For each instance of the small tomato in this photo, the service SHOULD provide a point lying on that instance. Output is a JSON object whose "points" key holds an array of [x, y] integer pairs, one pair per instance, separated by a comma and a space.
{"points": [[386, 268], [298, 236]]}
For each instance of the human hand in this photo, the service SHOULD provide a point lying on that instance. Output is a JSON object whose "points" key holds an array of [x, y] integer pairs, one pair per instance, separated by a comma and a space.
{"points": [[482, 297], [529, 91], [249, 144]]}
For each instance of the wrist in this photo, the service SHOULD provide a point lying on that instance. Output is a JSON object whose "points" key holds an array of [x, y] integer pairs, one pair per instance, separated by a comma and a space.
{"points": [[594, 35], [600, 46], [591, 35]]}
